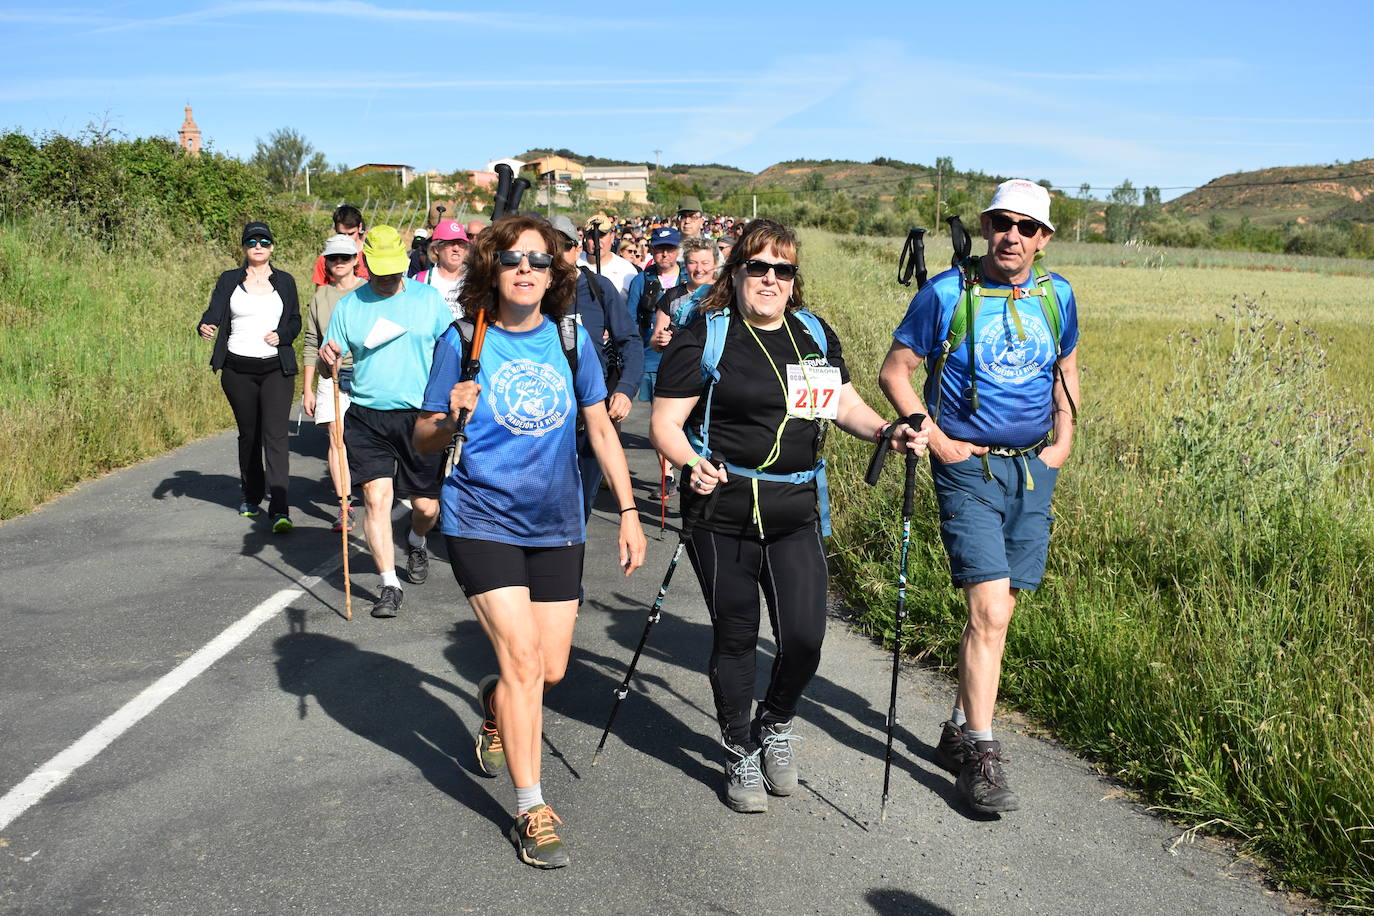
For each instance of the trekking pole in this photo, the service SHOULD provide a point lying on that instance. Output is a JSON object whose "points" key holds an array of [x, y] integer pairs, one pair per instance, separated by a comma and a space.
{"points": [[470, 371], [517, 192], [345, 485], [908, 497], [504, 175], [699, 510]]}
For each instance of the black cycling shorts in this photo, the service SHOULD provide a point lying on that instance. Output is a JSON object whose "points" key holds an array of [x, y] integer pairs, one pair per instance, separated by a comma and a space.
{"points": [[550, 573]]}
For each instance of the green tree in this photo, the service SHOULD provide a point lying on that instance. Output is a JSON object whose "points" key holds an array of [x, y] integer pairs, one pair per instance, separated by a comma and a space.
{"points": [[1123, 205], [577, 194], [282, 157]]}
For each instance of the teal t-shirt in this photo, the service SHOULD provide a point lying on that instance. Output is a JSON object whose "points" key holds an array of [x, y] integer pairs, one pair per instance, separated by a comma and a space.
{"points": [[392, 342]]}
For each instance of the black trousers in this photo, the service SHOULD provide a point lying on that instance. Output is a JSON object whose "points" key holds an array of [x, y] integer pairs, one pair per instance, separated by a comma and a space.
{"points": [[790, 570], [260, 395]]}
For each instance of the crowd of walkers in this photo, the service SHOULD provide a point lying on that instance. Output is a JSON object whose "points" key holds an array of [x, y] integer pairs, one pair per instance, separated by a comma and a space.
{"points": [[523, 343]]}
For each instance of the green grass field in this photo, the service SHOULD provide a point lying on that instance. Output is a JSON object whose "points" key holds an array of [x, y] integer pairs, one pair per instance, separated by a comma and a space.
{"points": [[1205, 628]]}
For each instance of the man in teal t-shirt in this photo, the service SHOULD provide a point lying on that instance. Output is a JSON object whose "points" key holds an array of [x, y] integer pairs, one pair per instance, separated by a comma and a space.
{"points": [[390, 326]]}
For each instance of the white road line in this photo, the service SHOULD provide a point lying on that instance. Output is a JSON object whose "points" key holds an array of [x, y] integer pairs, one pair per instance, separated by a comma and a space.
{"points": [[51, 774]]}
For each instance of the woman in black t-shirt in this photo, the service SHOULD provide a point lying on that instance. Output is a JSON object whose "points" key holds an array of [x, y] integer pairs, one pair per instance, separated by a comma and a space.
{"points": [[757, 460]]}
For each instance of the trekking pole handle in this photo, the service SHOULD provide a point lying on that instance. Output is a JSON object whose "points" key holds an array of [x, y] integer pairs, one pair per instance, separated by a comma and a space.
{"points": [[912, 261], [875, 463]]}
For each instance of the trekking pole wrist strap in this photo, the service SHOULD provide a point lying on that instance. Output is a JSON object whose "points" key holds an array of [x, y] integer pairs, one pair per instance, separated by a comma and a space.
{"points": [[690, 463]]}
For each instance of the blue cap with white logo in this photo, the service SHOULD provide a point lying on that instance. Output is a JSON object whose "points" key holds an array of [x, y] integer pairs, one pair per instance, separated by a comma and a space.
{"points": [[665, 236]]}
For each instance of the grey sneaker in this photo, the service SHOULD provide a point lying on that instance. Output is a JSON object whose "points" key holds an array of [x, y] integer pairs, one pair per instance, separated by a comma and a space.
{"points": [[417, 563], [983, 780], [779, 758], [388, 603], [536, 839], [954, 748], [744, 789]]}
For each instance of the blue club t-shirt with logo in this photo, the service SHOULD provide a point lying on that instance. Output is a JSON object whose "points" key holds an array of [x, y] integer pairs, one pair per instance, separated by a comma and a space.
{"points": [[1015, 377], [516, 481]]}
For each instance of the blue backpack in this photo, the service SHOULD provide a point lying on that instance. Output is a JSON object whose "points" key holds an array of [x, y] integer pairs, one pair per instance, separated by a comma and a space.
{"points": [[717, 325]]}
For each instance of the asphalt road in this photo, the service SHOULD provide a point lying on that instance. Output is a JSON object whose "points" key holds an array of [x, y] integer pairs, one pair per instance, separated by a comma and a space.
{"points": [[326, 766]]}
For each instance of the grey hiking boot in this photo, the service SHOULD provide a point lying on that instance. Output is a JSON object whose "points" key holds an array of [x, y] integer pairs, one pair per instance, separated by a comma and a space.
{"points": [[388, 602], [954, 748], [983, 780], [779, 758], [744, 791]]}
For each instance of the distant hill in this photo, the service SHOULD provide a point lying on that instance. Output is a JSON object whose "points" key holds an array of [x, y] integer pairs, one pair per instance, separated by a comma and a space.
{"points": [[1277, 196]]}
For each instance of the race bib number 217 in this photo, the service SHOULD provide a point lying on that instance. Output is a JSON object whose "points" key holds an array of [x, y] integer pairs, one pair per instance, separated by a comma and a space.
{"points": [[813, 392]]}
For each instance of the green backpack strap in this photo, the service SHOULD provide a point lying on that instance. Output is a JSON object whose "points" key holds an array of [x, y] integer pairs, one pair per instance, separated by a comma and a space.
{"points": [[963, 318]]}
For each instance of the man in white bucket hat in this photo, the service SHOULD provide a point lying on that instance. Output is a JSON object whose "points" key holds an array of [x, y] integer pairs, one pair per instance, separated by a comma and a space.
{"points": [[999, 336]]}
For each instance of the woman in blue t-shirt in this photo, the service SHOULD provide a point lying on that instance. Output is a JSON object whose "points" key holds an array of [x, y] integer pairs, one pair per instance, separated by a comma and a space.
{"points": [[512, 506]]}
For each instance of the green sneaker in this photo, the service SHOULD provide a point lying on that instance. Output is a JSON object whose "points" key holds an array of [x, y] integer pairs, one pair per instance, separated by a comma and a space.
{"points": [[535, 840], [250, 510], [491, 756], [281, 524]]}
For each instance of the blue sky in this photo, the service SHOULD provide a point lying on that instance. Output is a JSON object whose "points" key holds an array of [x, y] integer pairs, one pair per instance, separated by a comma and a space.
{"points": [[1171, 94]]}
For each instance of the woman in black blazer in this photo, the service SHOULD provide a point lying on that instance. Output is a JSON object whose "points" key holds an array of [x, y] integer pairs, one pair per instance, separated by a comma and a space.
{"points": [[253, 318]]}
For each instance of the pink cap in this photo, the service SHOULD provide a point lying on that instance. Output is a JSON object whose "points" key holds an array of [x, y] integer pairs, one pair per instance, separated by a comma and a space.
{"points": [[449, 230]]}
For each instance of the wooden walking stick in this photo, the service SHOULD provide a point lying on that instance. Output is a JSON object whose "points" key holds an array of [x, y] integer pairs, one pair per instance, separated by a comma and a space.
{"points": [[345, 484]]}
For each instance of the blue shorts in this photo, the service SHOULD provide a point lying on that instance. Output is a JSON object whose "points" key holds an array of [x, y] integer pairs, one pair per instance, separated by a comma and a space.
{"points": [[995, 529], [646, 386]]}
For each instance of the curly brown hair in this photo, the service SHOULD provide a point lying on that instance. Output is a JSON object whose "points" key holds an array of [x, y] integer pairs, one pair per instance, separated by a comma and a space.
{"points": [[482, 270], [762, 235]]}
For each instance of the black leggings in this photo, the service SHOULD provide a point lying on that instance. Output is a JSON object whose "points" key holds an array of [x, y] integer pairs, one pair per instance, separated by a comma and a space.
{"points": [[260, 396], [791, 571]]}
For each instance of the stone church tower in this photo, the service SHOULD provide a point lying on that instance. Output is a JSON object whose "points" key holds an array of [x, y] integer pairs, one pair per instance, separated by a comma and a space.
{"points": [[188, 138]]}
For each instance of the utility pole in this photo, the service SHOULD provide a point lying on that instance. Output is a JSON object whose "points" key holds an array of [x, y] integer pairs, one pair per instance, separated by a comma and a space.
{"points": [[939, 174], [756, 206], [426, 197], [658, 162], [307, 181]]}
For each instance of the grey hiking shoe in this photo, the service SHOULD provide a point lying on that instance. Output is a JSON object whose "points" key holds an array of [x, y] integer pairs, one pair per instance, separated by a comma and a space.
{"points": [[779, 758], [954, 748], [491, 755], [536, 839], [388, 602], [417, 563], [983, 780], [744, 791]]}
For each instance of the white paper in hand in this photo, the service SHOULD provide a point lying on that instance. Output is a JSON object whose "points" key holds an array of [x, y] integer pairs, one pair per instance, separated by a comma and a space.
{"points": [[382, 332]]}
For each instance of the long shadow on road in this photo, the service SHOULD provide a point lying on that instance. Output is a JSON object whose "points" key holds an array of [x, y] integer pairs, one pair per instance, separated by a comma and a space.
{"points": [[384, 700], [585, 695], [828, 707]]}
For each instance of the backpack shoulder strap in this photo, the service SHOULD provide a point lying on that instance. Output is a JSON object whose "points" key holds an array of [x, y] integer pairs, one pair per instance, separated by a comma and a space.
{"points": [[1049, 301], [814, 327], [465, 330], [593, 286], [567, 336], [717, 325]]}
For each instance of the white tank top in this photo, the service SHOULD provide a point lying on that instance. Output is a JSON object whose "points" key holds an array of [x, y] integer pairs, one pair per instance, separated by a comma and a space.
{"points": [[251, 318]]}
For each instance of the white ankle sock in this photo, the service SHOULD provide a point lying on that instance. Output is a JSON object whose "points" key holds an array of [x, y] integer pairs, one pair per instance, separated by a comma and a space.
{"points": [[958, 717], [389, 578], [527, 798]]}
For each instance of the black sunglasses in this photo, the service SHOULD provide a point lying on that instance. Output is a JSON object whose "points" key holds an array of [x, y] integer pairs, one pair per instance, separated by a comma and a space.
{"points": [[338, 258], [539, 260], [756, 268], [254, 243], [1000, 222]]}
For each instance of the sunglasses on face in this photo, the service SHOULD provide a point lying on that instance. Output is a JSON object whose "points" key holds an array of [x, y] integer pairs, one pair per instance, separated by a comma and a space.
{"points": [[539, 260], [254, 243], [332, 259], [1000, 222], [756, 268]]}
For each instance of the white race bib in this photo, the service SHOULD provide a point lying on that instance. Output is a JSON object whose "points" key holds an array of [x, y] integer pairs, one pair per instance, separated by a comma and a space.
{"points": [[813, 392]]}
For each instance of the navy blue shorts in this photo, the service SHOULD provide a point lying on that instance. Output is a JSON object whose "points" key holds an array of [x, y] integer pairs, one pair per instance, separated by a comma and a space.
{"points": [[995, 529]]}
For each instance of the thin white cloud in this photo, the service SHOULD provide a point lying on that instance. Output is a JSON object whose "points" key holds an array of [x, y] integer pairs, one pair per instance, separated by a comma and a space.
{"points": [[350, 9], [55, 17]]}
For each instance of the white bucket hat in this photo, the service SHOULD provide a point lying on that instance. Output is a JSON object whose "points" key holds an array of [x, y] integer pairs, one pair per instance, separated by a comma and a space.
{"points": [[1025, 197]]}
